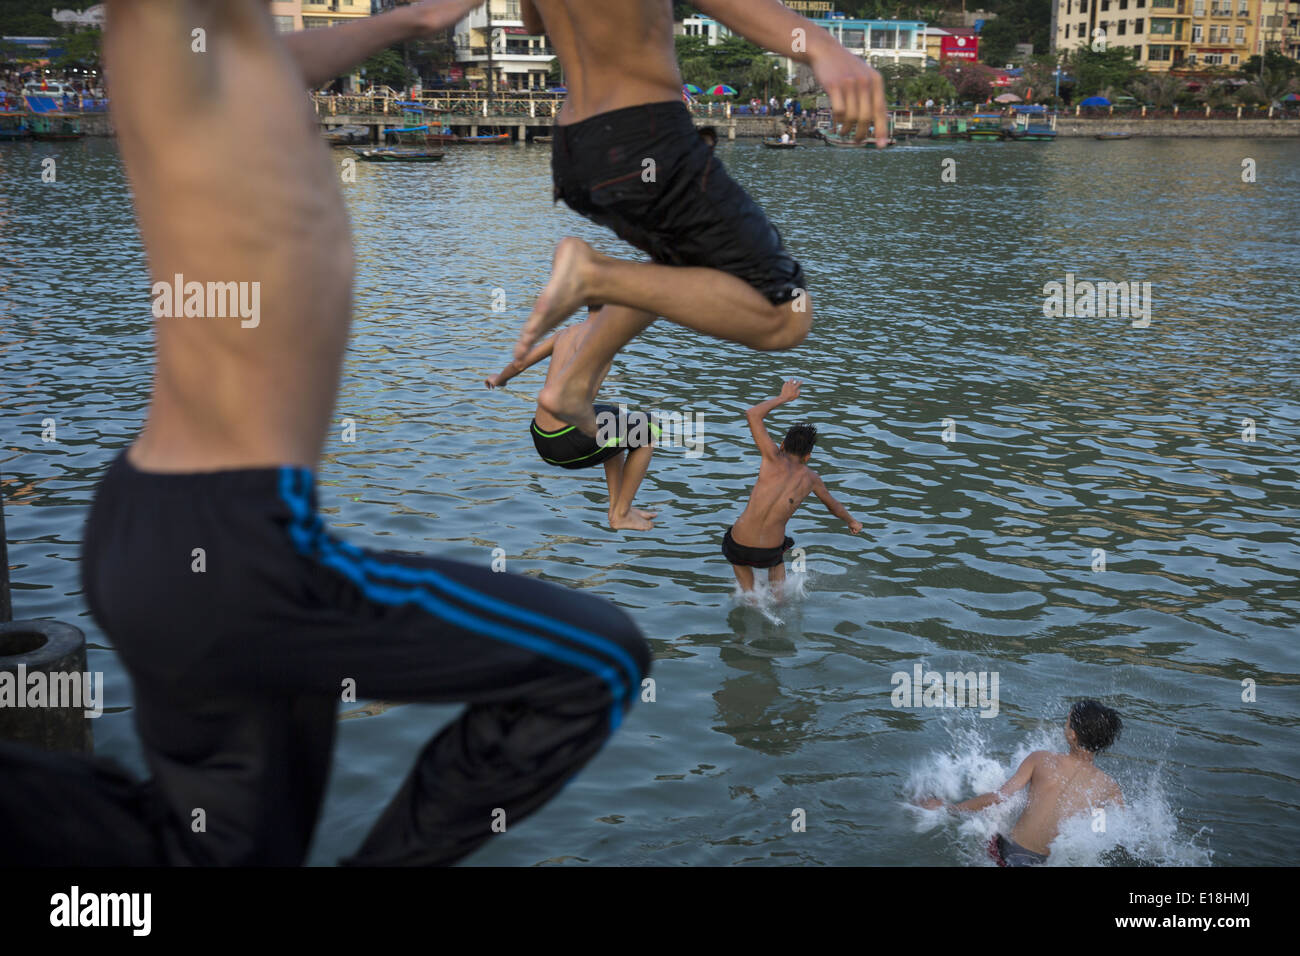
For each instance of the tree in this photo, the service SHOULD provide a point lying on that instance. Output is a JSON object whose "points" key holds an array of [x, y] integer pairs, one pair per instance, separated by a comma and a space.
{"points": [[1271, 87], [1094, 71], [386, 68], [973, 81], [1160, 90], [998, 41], [896, 76], [79, 49], [930, 86]]}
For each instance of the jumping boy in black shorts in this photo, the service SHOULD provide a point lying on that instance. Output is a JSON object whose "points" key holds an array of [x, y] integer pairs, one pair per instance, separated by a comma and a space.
{"points": [[758, 538], [625, 154], [617, 432]]}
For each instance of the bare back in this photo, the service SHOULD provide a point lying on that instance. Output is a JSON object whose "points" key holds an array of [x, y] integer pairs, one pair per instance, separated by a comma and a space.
{"points": [[783, 483], [232, 183], [1061, 786], [615, 53]]}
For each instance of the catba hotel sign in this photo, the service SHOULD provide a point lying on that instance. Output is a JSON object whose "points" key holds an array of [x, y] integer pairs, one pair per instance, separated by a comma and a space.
{"points": [[810, 6]]}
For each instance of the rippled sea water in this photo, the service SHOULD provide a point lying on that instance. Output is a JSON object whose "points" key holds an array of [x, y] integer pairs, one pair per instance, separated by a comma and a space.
{"points": [[1071, 434]]}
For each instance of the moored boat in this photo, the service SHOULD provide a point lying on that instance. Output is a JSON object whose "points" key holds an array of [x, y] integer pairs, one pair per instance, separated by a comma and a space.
{"points": [[947, 127], [1111, 136], [391, 154], [1032, 123], [346, 135], [985, 127], [13, 125], [835, 139], [777, 144]]}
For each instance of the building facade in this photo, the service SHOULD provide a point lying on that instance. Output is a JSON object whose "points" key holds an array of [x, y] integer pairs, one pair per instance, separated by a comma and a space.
{"points": [[495, 51], [1278, 30], [1165, 34], [292, 15]]}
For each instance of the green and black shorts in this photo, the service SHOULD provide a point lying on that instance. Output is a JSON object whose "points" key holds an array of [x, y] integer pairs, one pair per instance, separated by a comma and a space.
{"points": [[618, 428]]}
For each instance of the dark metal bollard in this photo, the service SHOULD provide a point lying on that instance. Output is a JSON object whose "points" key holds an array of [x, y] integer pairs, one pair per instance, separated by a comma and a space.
{"points": [[42, 663]]}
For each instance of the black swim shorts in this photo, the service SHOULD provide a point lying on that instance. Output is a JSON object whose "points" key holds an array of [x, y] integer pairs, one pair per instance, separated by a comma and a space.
{"points": [[754, 557], [617, 428], [646, 173]]}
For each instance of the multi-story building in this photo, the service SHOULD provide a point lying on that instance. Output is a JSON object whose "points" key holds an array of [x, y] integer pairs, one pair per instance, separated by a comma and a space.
{"points": [[1165, 34], [702, 26], [310, 14], [1278, 29], [496, 51]]}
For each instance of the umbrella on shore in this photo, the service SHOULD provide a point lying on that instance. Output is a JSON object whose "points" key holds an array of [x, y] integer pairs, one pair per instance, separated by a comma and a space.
{"points": [[691, 88], [1007, 98], [1291, 98], [722, 89], [1095, 101]]}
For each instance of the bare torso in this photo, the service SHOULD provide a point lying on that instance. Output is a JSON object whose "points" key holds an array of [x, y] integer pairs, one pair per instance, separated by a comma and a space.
{"points": [[1062, 786], [231, 184], [615, 53], [783, 483]]}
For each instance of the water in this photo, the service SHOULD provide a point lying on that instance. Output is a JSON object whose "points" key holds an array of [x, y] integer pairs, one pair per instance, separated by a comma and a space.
{"points": [[1071, 434]]}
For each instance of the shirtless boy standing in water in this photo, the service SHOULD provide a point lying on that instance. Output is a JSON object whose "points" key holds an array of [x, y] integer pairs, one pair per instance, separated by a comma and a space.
{"points": [[239, 617], [626, 155], [564, 446], [1060, 786], [758, 539]]}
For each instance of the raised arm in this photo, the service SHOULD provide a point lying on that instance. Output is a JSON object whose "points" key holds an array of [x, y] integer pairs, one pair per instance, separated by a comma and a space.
{"points": [[539, 352], [755, 415], [324, 54], [856, 92], [833, 506]]}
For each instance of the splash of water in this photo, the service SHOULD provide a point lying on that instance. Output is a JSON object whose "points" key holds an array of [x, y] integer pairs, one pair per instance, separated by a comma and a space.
{"points": [[1144, 832], [766, 601]]}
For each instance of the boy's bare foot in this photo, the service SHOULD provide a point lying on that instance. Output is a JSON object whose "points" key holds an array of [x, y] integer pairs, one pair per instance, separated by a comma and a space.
{"points": [[564, 294], [648, 515], [631, 520], [570, 401]]}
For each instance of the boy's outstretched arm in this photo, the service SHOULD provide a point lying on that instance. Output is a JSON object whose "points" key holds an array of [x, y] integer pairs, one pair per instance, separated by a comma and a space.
{"points": [[541, 351], [322, 55], [1017, 783], [532, 19], [833, 506], [755, 415], [855, 89]]}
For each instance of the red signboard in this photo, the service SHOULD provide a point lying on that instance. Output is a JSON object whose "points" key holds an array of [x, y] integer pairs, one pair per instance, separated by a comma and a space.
{"points": [[959, 48]]}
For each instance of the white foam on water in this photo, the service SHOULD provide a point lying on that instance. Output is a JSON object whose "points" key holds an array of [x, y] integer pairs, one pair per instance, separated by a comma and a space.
{"points": [[1144, 832], [762, 598]]}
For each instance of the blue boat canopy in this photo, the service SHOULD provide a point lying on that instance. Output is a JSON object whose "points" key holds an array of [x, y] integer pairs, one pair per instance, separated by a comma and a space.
{"points": [[1095, 101]]}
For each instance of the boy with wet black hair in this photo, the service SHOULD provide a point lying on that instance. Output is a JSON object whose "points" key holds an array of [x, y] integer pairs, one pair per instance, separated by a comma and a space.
{"points": [[784, 481], [1060, 786]]}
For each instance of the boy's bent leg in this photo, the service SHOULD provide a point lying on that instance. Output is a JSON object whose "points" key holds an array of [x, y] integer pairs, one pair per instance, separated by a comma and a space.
{"points": [[706, 300], [548, 674], [567, 395], [621, 513]]}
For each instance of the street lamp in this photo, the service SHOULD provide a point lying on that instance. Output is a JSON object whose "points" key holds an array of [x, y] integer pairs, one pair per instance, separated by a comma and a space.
{"points": [[1057, 73]]}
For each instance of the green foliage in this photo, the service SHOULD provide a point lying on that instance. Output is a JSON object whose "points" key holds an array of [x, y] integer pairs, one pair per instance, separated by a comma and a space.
{"points": [[1273, 62], [79, 49], [1114, 68], [896, 76], [735, 62], [998, 42], [930, 86], [386, 68]]}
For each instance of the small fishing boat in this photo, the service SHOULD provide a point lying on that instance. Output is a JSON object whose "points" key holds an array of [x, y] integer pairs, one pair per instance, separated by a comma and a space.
{"points": [[777, 144], [540, 139], [1032, 123], [835, 139], [904, 125], [391, 154], [487, 139], [947, 127], [56, 127], [346, 135], [422, 135], [13, 125], [1110, 136], [985, 127]]}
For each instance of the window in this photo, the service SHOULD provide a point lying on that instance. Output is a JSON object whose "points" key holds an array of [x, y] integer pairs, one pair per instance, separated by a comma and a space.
{"points": [[283, 24], [1198, 8], [1196, 33], [1120, 27], [1213, 59], [1123, 4], [1137, 25], [1083, 6], [1160, 52], [1241, 35], [1105, 5], [1243, 8], [1069, 4], [1233, 60], [1191, 58], [1067, 31], [1141, 4]]}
